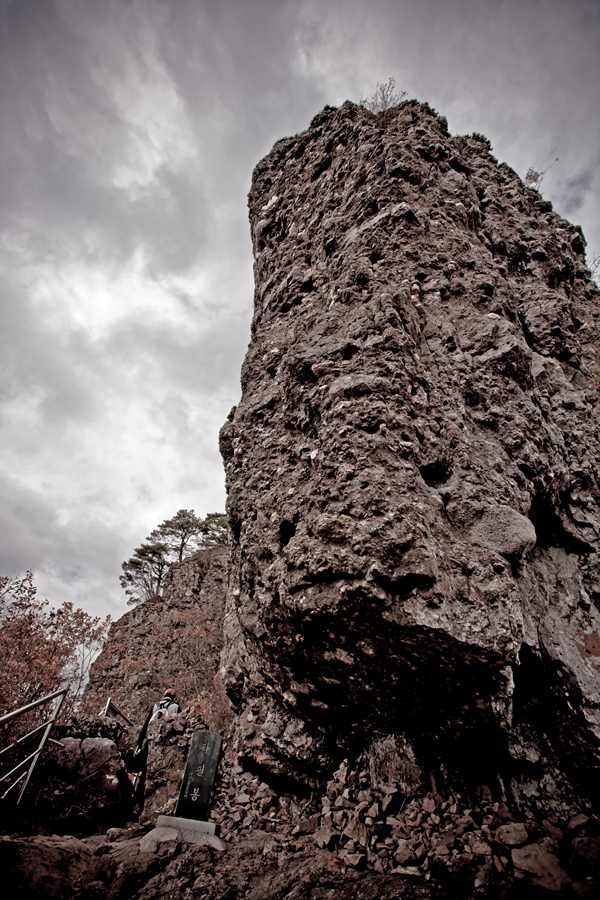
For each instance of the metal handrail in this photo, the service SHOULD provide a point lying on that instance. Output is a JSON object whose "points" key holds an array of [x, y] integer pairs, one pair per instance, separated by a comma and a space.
{"points": [[29, 734], [47, 726], [34, 705], [111, 706], [23, 738]]}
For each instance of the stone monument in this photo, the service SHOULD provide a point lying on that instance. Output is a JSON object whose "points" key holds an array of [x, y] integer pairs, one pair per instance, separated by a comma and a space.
{"points": [[191, 814]]}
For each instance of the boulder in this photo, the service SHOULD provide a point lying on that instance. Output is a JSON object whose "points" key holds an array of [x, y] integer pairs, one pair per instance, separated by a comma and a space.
{"points": [[44, 868], [541, 866], [81, 786]]}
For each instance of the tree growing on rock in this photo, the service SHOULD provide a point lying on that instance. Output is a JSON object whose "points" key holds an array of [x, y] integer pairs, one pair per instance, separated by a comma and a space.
{"points": [[383, 97], [533, 178], [173, 540]]}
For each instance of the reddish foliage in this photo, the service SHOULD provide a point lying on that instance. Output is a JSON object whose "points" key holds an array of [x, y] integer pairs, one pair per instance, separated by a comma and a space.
{"points": [[42, 650]]}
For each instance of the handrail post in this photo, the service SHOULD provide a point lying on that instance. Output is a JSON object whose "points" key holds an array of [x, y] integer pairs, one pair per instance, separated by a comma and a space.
{"points": [[59, 696], [59, 703], [111, 707]]}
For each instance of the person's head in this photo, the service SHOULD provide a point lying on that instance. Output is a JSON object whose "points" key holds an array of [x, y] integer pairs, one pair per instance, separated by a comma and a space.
{"points": [[170, 695]]}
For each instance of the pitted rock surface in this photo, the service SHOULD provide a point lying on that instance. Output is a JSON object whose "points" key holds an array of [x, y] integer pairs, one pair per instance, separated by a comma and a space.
{"points": [[412, 470]]}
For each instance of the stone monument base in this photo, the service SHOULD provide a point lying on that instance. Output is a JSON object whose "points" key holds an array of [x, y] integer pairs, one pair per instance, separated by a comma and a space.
{"points": [[191, 830]]}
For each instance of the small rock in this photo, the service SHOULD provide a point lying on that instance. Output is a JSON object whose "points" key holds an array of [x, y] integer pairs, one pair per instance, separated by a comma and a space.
{"points": [[150, 842], [211, 840], [113, 834], [512, 834], [307, 826], [578, 822], [584, 857], [480, 848], [406, 870], [404, 853], [555, 833], [324, 836]]}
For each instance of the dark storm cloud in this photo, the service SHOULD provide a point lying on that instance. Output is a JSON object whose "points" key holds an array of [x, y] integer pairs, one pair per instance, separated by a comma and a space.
{"points": [[62, 133], [165, 353], [45, 364], [240, 65], [33, 535], [129, 132], [575, 191], [66, 208]]}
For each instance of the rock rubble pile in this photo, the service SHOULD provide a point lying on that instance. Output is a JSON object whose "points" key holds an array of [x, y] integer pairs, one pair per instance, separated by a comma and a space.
{"points": [[350, 836], [421, 837]]}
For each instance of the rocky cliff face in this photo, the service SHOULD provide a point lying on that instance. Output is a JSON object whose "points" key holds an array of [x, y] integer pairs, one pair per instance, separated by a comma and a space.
{"points": [[173, 641], [414, 510], [412, 470]]}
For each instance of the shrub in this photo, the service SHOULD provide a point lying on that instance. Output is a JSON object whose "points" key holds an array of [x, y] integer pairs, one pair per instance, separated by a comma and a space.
{"points": [[42, 650], [383, 98], [533, 178]]}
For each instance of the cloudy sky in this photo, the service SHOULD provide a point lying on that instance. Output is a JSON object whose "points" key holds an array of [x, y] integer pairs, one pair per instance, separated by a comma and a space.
{"points": [[129, 131]]}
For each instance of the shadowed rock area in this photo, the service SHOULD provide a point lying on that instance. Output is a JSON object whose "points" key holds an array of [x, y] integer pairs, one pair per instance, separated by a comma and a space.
{"points": [[412, 470]]}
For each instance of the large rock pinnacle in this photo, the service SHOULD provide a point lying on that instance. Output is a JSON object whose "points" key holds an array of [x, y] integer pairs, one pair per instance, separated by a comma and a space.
{"points": [[412, 470]]}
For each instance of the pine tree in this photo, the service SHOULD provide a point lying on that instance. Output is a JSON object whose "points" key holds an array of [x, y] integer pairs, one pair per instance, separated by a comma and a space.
{"points": [[173, 540]]}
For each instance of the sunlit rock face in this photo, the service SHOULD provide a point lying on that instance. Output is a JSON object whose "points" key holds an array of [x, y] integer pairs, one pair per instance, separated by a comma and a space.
{"points": [[412, 470]]}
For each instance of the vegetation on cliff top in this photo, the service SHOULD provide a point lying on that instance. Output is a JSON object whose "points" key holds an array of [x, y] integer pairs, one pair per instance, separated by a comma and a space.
{"points": [[173, 540]]}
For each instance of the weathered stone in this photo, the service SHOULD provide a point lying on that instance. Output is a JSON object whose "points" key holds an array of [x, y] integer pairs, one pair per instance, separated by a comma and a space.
{"points": [[404, 853], [584, 858], [413, 467], [151, 841], [512, 834], [356, 830], [541, 865], [577, 822], [480, 848], [44, 866], [325, 836], [81, 785]]}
